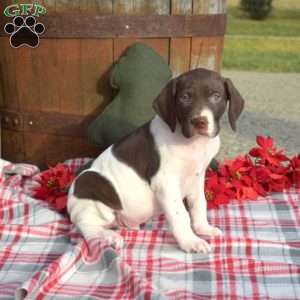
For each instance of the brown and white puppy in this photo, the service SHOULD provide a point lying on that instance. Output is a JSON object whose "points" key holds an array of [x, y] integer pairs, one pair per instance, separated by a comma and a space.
{"points": [[154, 168]]}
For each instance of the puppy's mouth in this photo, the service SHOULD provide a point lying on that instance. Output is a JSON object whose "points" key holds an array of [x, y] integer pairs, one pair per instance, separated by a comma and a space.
{"points": [[203, 132], [200, 126]]}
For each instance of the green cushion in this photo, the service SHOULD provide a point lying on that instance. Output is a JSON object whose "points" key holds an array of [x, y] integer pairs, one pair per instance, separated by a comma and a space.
{"points": [[138, 76]]}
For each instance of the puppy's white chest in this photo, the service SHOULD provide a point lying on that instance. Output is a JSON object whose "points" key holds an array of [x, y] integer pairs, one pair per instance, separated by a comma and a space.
{"points": [[197, 156], [195, 162]]}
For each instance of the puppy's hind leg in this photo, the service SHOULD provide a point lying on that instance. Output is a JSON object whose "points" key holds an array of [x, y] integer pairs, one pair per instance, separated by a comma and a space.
{"points": [[94, 220]]}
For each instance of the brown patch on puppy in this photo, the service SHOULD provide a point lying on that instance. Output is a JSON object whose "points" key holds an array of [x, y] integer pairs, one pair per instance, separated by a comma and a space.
{"points": [[164, 104], [91, 185], [138, 151], [236, 102]]}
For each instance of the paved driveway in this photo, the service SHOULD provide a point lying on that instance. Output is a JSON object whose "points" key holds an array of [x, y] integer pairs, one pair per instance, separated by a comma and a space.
{"points": [[272, 108]]}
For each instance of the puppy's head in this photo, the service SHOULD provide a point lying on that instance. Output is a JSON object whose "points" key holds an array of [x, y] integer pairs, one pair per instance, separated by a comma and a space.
{"points": [[196, 100]]}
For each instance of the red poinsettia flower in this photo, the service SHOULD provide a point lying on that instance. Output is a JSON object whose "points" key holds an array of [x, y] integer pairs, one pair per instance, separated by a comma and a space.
{"points": [[236, 168], [243, 191], [267, 153], [54, 184], [295, 170], [216, 190], [244, 178], [237, 174], [260, 178]]}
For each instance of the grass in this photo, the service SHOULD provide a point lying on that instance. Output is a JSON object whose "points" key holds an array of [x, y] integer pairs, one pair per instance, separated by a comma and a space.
{"points": [[262, 54], [269, 45]]}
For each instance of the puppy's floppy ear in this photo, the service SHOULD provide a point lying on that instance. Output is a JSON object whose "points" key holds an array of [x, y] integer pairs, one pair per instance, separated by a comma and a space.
{"points": [[165, 105], [236, 102]]}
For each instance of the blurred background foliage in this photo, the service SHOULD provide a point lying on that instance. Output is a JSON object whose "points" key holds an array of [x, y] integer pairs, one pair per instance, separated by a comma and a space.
{"points": [[257, 9]]}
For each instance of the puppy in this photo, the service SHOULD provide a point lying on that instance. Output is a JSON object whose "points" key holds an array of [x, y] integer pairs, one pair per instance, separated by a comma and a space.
{"points": [[154, 168]]}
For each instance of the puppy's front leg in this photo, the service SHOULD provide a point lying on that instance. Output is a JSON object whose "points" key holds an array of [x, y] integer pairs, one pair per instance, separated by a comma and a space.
{"points": [[198, 209], [169, 196]]}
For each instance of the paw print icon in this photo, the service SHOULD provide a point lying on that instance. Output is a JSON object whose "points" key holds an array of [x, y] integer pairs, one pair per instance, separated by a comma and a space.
{"points": [[24, 31]]}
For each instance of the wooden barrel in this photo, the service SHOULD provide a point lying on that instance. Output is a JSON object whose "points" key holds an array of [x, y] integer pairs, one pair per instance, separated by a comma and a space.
{"points": [[49, 94]]}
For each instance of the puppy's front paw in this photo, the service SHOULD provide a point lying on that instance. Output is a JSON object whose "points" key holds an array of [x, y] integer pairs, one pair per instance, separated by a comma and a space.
{"points": [[194, 244], [207, 230], [112, 238]]}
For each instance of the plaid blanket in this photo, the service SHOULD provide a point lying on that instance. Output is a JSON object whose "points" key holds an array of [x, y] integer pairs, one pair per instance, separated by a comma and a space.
{"points": [[44, 257]]}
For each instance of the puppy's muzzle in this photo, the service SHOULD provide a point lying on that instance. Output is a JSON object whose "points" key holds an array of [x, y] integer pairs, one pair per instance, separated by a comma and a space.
{"points": [[200, 124]]}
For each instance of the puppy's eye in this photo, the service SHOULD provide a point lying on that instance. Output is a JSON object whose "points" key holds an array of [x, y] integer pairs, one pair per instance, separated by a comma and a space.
{"points": [[185, 97], [215, 98]]}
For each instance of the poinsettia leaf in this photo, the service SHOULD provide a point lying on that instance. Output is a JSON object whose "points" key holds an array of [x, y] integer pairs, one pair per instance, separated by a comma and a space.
{"points": [[255, 152], [260, 189], [264, 142], [250, 193], [221, 199], [281, 157], [247, 180], [61, 202], [276, 176], [272, 160], [296, 180], [41, 192]]}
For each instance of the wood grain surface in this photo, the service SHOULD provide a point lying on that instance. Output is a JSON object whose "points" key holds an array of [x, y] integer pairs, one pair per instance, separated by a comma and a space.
{"points": [[49, 94]]}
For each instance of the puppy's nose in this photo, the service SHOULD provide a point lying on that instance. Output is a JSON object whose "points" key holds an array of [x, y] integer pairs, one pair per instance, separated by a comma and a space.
{"points": [[200, 122]]}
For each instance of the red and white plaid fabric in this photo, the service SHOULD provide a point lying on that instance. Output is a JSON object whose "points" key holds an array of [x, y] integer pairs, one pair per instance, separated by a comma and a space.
{"points": [[44, 257]]}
